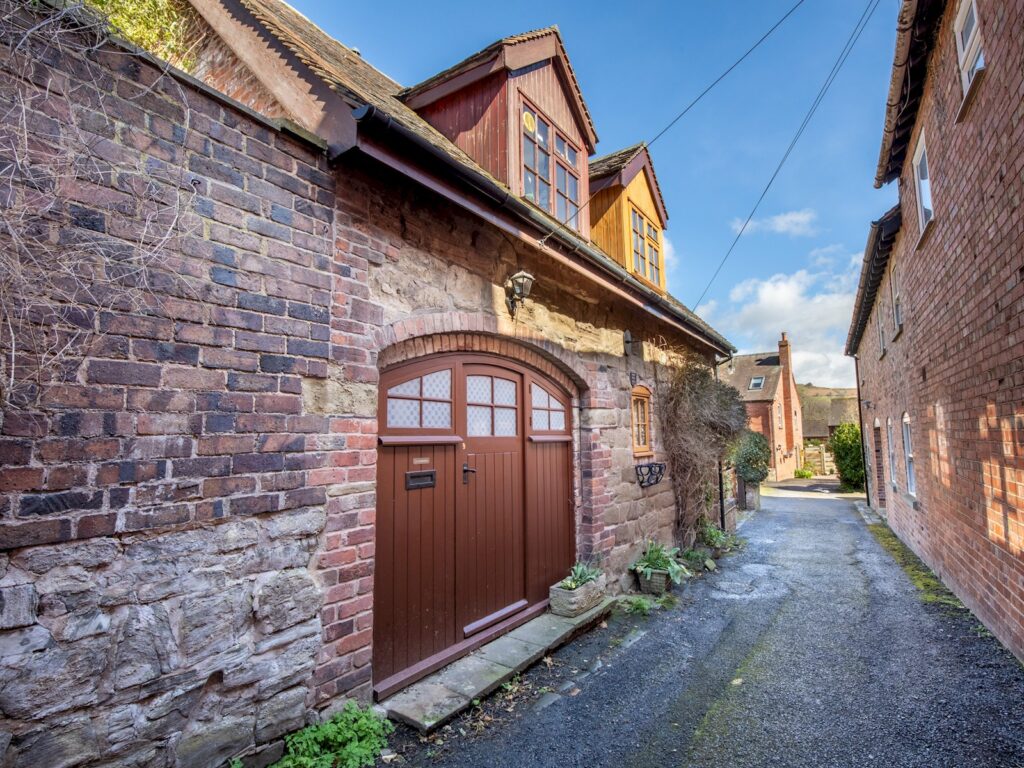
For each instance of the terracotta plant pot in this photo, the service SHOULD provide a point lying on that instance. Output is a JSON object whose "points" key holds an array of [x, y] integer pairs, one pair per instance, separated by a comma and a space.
{"points": [[573, 602], [658, 584]]}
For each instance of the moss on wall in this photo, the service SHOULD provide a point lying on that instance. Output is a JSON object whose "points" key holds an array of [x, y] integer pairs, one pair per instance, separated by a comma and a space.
{"points": [[168, 29]]}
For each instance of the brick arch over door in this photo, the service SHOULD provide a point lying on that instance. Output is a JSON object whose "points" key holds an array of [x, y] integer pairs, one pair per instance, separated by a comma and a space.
{"points": [[469, 332]]}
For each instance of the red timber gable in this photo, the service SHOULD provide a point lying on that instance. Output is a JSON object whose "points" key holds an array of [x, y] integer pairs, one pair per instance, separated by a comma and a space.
{"points": [[479, 105]]}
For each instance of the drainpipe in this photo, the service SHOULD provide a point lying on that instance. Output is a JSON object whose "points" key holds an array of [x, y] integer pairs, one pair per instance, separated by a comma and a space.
{"points": [[721, 475], [860, 419]]}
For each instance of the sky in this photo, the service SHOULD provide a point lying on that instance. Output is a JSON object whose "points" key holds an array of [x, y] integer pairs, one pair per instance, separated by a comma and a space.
{"points": [[639, 63]]}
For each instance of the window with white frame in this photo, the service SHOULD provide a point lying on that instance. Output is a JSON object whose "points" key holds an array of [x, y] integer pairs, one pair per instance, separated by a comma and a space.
{"points": [[892, 450], [923, 184], [757, 382], [894, 295], [908, 455], [881, 333], [970, 55]]}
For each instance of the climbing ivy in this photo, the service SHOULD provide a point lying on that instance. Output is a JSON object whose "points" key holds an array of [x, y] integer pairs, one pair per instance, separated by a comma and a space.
{"points": [[166, 28]]}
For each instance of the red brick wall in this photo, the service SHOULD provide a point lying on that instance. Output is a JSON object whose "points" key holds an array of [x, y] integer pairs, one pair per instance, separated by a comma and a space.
{"points": [[956, 366], [764, 418]]}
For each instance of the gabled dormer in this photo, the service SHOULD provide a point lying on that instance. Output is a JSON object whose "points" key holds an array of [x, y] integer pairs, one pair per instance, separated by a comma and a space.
{"points": [[517, 110], [627, 215]]}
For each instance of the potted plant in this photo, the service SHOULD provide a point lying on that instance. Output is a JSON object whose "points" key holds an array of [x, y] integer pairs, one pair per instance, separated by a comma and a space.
{"points": [[714, 537], [657, 569], [580, 591]]}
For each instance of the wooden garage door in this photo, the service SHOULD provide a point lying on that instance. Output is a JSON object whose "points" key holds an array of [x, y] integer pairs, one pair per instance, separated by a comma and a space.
{"points": [[474, 508]]}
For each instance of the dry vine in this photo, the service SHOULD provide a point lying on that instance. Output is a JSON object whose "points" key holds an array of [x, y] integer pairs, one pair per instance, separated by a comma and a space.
{"points": [[86, 225], [700, 418]]}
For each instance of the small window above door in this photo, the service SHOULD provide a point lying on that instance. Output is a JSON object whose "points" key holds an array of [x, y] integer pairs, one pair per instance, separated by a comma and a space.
{"points": [[548, 413], [421, 403]]}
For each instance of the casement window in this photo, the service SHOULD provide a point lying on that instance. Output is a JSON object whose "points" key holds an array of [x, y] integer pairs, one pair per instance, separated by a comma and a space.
{"points": [[640, 408], [541, 164], [894, 296], [970, 56], [908, 456], [892, 450], [923, 184], [646, 247], [757, 382], [881, 333]]}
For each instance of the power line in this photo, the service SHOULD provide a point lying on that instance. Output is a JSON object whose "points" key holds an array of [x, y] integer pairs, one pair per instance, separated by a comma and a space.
{"points": [[687, 108], [844, 54]]}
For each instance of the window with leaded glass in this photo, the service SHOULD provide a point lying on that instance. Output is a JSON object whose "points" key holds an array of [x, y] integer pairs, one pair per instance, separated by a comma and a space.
{"points": [[421, 403], [547, 412]]}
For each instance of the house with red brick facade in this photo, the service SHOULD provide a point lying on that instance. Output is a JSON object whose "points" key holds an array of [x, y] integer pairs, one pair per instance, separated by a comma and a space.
{"points": [[768, 388], [936, 328], [393, 382]]}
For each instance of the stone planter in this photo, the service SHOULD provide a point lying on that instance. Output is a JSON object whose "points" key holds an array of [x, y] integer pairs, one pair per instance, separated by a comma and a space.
{"points": [[573, 602], [658, 584]]}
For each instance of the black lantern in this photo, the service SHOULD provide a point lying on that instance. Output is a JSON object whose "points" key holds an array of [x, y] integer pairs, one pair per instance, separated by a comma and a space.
{"points": [[517, 289]]}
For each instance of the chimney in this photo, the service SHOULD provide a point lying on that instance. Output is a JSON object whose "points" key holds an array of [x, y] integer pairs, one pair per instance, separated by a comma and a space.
{"points": [[788, 395]]}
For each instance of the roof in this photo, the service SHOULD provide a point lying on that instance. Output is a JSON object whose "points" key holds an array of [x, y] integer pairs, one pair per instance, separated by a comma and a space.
{"points": [[916, 28], [496, 56], [881, 239], [739, 370], [621, 167], [824, 407], [362, 85]]}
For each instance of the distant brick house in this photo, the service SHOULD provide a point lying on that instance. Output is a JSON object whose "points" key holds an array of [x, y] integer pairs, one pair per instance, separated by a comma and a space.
{"points": [[351, 452], [825, 408], [769, 391], [936, 328]]}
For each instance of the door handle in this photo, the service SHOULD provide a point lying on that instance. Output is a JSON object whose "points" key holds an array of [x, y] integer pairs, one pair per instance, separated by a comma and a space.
{"points": [[465, 473]]}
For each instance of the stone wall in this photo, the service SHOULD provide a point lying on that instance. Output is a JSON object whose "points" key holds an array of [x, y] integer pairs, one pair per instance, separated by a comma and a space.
{"points": [[956, 367]]}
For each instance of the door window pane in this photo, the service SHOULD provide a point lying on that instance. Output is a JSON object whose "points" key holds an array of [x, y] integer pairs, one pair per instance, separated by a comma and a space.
{"points": [[540, 420], [558, 419], [504, 392], [403, 413], [437, 415], [410, 388], [438, 386], [504, 421], [539, 397], [478, 420], [478, 389]]}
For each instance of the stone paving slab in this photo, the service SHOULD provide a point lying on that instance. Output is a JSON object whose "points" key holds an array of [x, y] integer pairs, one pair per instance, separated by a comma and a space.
{"points": [[436, 699]]}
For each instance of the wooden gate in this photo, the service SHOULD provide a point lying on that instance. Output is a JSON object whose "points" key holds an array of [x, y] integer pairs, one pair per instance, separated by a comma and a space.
{"points": [[474, 508]]}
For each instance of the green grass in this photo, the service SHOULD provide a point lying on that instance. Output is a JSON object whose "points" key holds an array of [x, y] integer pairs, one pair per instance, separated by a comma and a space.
{"points": [[930, 589]]}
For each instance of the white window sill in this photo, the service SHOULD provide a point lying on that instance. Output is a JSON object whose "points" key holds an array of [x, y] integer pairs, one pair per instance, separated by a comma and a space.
{"points": [[972, 91], [899, 331], [924, 233]]}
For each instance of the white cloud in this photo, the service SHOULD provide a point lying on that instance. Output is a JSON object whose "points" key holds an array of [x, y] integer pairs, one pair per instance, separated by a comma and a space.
{"points": [[825, 256], [793, 223], [813, 307]]}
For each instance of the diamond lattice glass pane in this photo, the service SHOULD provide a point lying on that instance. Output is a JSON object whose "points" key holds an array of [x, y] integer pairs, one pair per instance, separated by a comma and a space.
{"points": [[504, 421], [478, 420], [478, 389], [504, 392], [438, 386], [437, 415], [558, 419], [540, 420], [539, 396], [409, 388], [403, 413]]}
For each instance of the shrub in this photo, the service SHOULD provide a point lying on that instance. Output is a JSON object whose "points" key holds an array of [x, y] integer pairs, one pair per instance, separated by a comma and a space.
{"points": [[804, 474], [700, 418], [846, 450], [657, 558], [351, 738], [711, 535], [751, 457], [580, 574]]}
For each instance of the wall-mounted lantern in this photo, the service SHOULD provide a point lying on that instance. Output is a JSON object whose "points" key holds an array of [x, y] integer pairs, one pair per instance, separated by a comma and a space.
{"points": [[517, 289]]}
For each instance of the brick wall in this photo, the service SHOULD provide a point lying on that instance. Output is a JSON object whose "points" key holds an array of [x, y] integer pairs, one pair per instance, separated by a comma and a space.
{"points": [[162, 505], [956, 368]]}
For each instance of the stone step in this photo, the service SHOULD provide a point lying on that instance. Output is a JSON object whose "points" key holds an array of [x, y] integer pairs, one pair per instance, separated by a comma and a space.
{"points": [[436, 699]]}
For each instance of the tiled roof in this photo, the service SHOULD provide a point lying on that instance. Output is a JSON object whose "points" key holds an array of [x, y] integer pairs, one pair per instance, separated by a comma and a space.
{"points": [[615, 162], [881, 239], [742, 368], [824, 407]]}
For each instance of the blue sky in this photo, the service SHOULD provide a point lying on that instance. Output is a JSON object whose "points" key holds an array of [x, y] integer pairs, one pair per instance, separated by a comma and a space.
{"points": [[639, 63]]}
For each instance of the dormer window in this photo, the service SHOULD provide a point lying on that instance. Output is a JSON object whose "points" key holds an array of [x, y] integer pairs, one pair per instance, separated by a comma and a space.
{"points": [[539, 164], [757, 382], [646, 248]]}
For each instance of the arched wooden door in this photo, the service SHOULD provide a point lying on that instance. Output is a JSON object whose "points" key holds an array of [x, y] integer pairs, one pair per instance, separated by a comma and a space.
{"points": [[474, 508]]}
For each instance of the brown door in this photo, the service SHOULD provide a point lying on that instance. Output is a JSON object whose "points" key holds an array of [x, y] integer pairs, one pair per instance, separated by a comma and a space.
{"points": [[879, 468], [474, 508], [489, 521]]}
